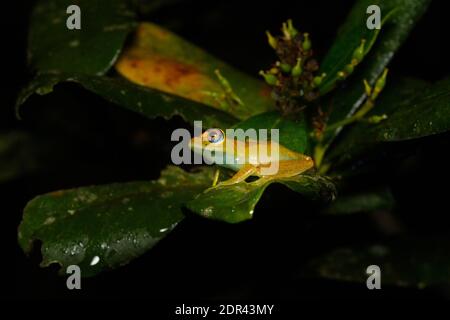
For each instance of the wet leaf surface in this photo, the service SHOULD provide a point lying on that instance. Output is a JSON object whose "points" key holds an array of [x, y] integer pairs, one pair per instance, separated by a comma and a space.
{"points": [[103, 227], [415, 109], [236, 203]]}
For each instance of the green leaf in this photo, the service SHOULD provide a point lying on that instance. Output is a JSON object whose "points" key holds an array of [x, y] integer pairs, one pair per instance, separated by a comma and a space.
{"points": [[393, 33], [366, 201], [93, 49], [427, 113], [414, 109], [148, 102], [349, 38], [404, 262], [293, 134], [235, 203], [159, 59], [103, 227]]}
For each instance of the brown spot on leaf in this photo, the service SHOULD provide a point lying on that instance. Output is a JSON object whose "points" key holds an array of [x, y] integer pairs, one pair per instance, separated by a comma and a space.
{"points": [[166, 74], [266, 91], [134, 64], [158, 59]]}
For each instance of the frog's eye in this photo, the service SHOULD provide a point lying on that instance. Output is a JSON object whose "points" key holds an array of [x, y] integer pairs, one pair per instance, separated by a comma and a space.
{"points": [[214, 135]]}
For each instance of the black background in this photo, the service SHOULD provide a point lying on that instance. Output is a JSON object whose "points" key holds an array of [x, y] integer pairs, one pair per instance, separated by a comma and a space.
{"points": [[100, 143]]}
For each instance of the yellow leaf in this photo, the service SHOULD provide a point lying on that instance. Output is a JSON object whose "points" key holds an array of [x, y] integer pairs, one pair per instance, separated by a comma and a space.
{"points": [[159, 59]]}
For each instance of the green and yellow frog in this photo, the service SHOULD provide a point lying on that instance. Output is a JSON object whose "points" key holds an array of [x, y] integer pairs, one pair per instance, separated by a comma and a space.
{"points": [[244, 157]]}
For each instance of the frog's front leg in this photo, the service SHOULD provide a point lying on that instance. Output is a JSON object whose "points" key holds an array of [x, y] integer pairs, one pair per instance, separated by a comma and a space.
{"points": [[246, 171]]}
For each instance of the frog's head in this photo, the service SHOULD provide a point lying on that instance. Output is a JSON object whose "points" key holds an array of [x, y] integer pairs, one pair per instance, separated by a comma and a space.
{"points": [[211, 139]]}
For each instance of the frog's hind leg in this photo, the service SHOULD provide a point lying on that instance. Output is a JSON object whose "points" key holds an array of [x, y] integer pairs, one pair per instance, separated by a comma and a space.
{"points": [[286, 169], [290, 168], [245, 172]]}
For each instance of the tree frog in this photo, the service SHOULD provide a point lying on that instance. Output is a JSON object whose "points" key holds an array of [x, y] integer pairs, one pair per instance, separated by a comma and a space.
{"points": [[245, 158]]}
